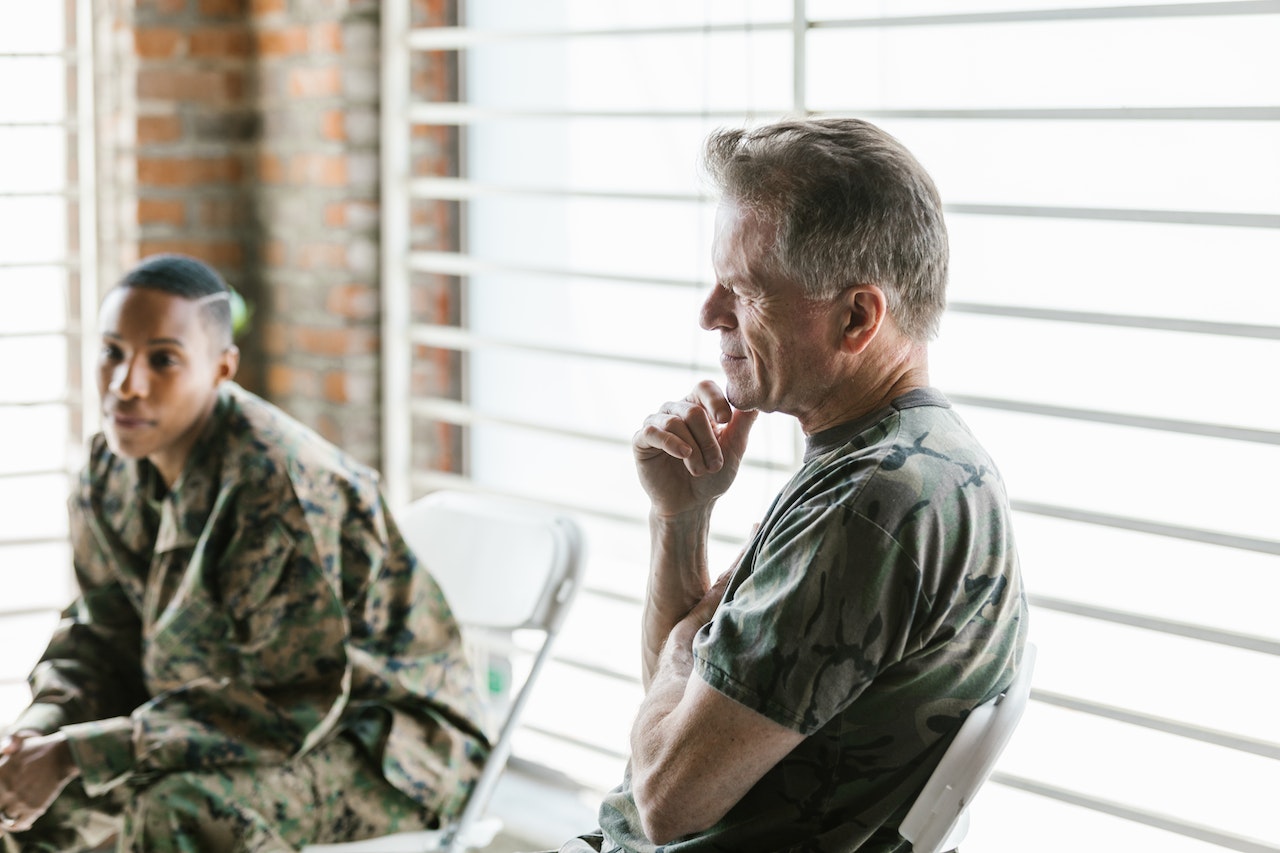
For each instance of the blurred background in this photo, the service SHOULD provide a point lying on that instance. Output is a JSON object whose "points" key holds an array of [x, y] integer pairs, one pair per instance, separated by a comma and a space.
{"points": [[474, 240]]}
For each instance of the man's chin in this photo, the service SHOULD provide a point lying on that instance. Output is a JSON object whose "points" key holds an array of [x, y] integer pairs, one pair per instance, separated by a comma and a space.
{"points": [[741, 401]]}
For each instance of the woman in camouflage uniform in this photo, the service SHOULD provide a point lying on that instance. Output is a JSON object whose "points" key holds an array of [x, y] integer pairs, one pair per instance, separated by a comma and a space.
{"points": [[255, 661]]}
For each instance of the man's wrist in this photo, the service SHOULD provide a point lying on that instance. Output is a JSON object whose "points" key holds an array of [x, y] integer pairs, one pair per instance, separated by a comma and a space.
{"points": [[693, 516]]}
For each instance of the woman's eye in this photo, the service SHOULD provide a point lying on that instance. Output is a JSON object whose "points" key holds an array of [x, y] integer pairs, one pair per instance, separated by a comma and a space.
{"points": [[111, 352]]}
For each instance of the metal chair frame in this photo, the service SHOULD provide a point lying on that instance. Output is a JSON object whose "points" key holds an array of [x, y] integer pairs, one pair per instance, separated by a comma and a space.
{"points": [[939, 818]]}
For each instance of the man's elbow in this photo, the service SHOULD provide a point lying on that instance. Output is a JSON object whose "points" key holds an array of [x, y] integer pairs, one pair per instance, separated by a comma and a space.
{"points": [[666, 816]]}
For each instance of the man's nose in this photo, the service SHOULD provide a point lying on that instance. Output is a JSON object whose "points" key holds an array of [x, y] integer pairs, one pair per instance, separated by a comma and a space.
{"points": [[716, 312]]}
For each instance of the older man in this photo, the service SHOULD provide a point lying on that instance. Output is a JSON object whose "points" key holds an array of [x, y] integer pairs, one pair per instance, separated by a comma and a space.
{"points": [[800, 701], [255, 661]]}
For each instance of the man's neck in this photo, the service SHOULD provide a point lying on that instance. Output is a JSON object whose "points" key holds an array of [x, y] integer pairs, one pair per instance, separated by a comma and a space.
{"points": [[874, 383]]}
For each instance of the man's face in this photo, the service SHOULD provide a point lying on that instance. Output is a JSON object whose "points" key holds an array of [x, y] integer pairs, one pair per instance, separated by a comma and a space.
{"points": [[777, 346], [158, 375]]}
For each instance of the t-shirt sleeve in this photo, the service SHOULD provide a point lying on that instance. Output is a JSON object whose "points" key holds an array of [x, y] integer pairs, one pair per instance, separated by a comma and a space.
{"points": [[822, 602]]}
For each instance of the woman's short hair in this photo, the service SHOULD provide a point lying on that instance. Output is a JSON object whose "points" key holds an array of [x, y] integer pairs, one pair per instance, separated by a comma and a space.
{"points": [[191, 279]]}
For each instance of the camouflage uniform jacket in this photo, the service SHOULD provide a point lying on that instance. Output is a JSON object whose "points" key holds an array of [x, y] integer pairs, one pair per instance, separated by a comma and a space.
{"points": [[262, 605], [879, 601]]}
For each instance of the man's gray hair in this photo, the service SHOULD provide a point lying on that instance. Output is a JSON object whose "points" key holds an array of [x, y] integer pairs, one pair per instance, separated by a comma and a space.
{"points": [[851, 206]]}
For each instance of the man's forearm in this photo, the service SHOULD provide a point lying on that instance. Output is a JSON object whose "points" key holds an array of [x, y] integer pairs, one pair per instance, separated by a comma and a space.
{"points": [[665, 689], [678, 579], [656, 736]]}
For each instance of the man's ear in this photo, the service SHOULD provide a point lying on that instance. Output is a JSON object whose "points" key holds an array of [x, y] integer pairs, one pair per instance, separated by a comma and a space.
{"points": [[865, 311], [228, 364]]}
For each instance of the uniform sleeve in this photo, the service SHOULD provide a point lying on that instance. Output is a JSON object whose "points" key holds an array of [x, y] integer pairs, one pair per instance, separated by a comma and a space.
{"points": [[420, 714], [821, 606], [90, 668], [411, 643], [247, 663]]}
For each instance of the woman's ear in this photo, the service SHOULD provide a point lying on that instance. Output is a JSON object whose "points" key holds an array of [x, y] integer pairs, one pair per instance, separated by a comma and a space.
{"points": [[228, 364]]}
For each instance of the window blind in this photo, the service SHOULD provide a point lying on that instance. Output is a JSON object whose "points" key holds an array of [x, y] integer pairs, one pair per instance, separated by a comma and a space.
{"points": [[1113, 196], [47, 280]]}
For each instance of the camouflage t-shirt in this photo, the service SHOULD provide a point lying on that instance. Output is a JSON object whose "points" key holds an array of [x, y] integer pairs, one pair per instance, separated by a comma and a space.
{"points": [[259, 607], [879, 601]]}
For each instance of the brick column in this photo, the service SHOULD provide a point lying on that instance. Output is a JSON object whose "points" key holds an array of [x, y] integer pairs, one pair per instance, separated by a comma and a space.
{"points": [[317, 186], [245, 133], [192, 137]]}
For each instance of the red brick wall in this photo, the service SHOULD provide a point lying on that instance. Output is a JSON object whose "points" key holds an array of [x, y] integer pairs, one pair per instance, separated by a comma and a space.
{"points": [[317, 173], [250, 139], [195, 128]]}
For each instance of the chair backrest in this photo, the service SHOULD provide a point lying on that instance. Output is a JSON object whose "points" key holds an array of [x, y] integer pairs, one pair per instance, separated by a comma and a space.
{"points": [[503, 565], [939, 818]]}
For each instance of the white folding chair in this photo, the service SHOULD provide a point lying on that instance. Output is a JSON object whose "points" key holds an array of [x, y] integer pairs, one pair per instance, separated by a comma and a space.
{"points": [[939, 818], [504, 566]]}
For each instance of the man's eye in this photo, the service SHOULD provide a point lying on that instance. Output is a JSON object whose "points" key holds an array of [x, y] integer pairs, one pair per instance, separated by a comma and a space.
{"points": [[162, 360], [111, 352]]}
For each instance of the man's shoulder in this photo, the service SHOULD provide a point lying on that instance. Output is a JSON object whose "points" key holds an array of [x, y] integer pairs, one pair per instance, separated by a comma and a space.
{"points": [[921, 445], [935, 453], [917, 468]]}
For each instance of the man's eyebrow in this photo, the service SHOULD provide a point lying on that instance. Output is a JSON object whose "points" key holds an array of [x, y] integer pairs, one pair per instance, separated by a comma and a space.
{"points": [[737, 282]]}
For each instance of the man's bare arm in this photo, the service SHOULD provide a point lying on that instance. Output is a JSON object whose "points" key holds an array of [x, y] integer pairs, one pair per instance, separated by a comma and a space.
{"points": [[695, 752], [687, 455]]}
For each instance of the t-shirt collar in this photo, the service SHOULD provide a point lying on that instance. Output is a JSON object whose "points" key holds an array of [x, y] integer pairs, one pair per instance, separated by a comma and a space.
{"points": [[841, 434]]}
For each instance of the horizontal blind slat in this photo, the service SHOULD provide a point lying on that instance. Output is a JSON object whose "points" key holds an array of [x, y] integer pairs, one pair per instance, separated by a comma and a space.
{"points": [[1183, 422], [1091, 13], [1152, 819], [1210, 537], [1265, 645]]}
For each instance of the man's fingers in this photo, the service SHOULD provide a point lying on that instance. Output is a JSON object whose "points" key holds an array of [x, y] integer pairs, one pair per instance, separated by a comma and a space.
{"points": [[733, 424], [709, 396], [682, 430], [716, 591], [12, 743], [702, 612], [708, 456], [667, 435], [9, 819], [734, 435]]}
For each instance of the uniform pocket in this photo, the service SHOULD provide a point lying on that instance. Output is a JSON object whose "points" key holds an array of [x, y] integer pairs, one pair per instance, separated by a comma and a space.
{"points": [[252, 567]]}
